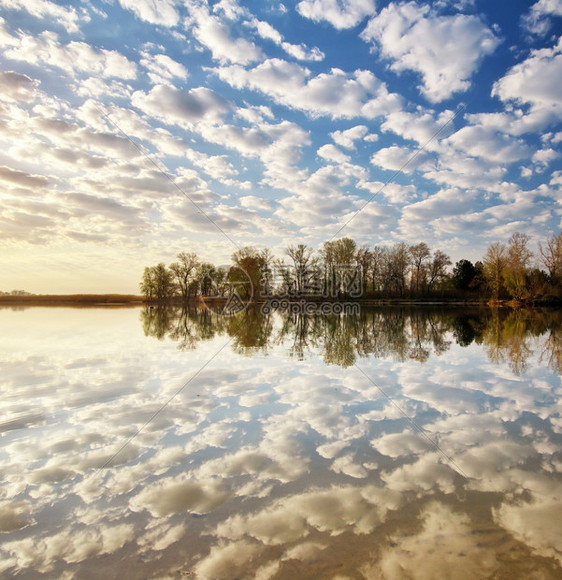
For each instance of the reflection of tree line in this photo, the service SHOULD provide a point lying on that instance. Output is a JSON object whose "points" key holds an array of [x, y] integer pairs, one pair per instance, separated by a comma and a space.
{"points": [[400, 332]]}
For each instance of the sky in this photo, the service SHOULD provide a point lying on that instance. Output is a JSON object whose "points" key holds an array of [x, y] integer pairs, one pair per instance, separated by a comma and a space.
{"points": [[131, 130]]}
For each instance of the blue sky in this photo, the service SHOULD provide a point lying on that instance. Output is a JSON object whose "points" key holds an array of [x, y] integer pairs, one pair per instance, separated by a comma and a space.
{"points": [[278, 121]]}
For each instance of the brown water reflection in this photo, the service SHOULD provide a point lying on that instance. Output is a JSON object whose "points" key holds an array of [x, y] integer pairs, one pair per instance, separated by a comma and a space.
{"points": [[399, 443]]}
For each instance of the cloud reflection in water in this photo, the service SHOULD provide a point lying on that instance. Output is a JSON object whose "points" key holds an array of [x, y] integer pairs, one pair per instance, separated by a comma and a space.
{"points": [[280, 460]]}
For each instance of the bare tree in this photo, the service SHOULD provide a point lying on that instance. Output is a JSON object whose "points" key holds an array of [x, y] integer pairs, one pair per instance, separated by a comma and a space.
{"points": [[302, 260], [437, 269], [377, 261], [420, 255], [364, 260], [551, 255], [398, 263]]}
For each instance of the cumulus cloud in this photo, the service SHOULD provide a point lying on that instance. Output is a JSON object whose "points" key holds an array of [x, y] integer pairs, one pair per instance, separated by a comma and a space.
{"points": [[160, 12], [538, 20], [532, 83], [444, 50], [348, 137], [22, 178], [174, 106], [298, 51], [17, 87], [215, 34], [67, 16], [302, 51], [333, 154], [161, 68], [545, 156], [74, 58], [336, 94], [396, 158], [423, 126], [490, 145], [340, 14]]}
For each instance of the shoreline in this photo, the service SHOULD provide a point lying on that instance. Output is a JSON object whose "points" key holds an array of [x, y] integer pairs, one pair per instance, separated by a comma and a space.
{"points": [[72, 300], [136, 300]]}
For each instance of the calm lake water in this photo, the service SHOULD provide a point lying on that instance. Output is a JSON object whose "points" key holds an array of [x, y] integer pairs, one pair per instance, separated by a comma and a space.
{"points": [[399, 443]]}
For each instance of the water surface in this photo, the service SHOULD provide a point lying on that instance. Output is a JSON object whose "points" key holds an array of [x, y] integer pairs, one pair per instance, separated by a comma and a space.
{"points": [[399, 443]]}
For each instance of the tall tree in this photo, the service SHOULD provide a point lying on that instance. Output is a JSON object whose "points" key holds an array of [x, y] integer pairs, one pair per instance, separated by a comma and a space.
{"points": [[246, 274], [340, 259], [551, 255], [147, 285], [301, 255], [517, 263], [420, 255], [398, 263], [365, 261], [494, 265], [377, 262], [437, 269], [163, 282], [464, 273], [183, 271]]}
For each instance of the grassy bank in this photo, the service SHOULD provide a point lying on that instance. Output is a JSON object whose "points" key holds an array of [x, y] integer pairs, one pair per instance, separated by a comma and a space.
{"points": [[71, 300]]}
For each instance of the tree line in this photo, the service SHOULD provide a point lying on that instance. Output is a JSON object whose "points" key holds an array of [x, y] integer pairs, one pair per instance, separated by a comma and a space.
{"points": [[342, 269]]}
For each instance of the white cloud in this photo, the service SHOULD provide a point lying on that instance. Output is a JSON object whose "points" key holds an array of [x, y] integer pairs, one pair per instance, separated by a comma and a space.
{"points": [[215, 34], [303, 52], [162, 12], [74, 58], [533, 82], [489, 145], [424, 127], [348, 137], [67, 16], [174, 106], [332, 153], [253, 202], [233, 11], [318, 198], [426, 217], [445, 50], [22, 178], [396, 158], [537, 20], [545, 156], [17, 87], [336, 94], [339, 13], [161, 68], [392, 192], [298, 51]]}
